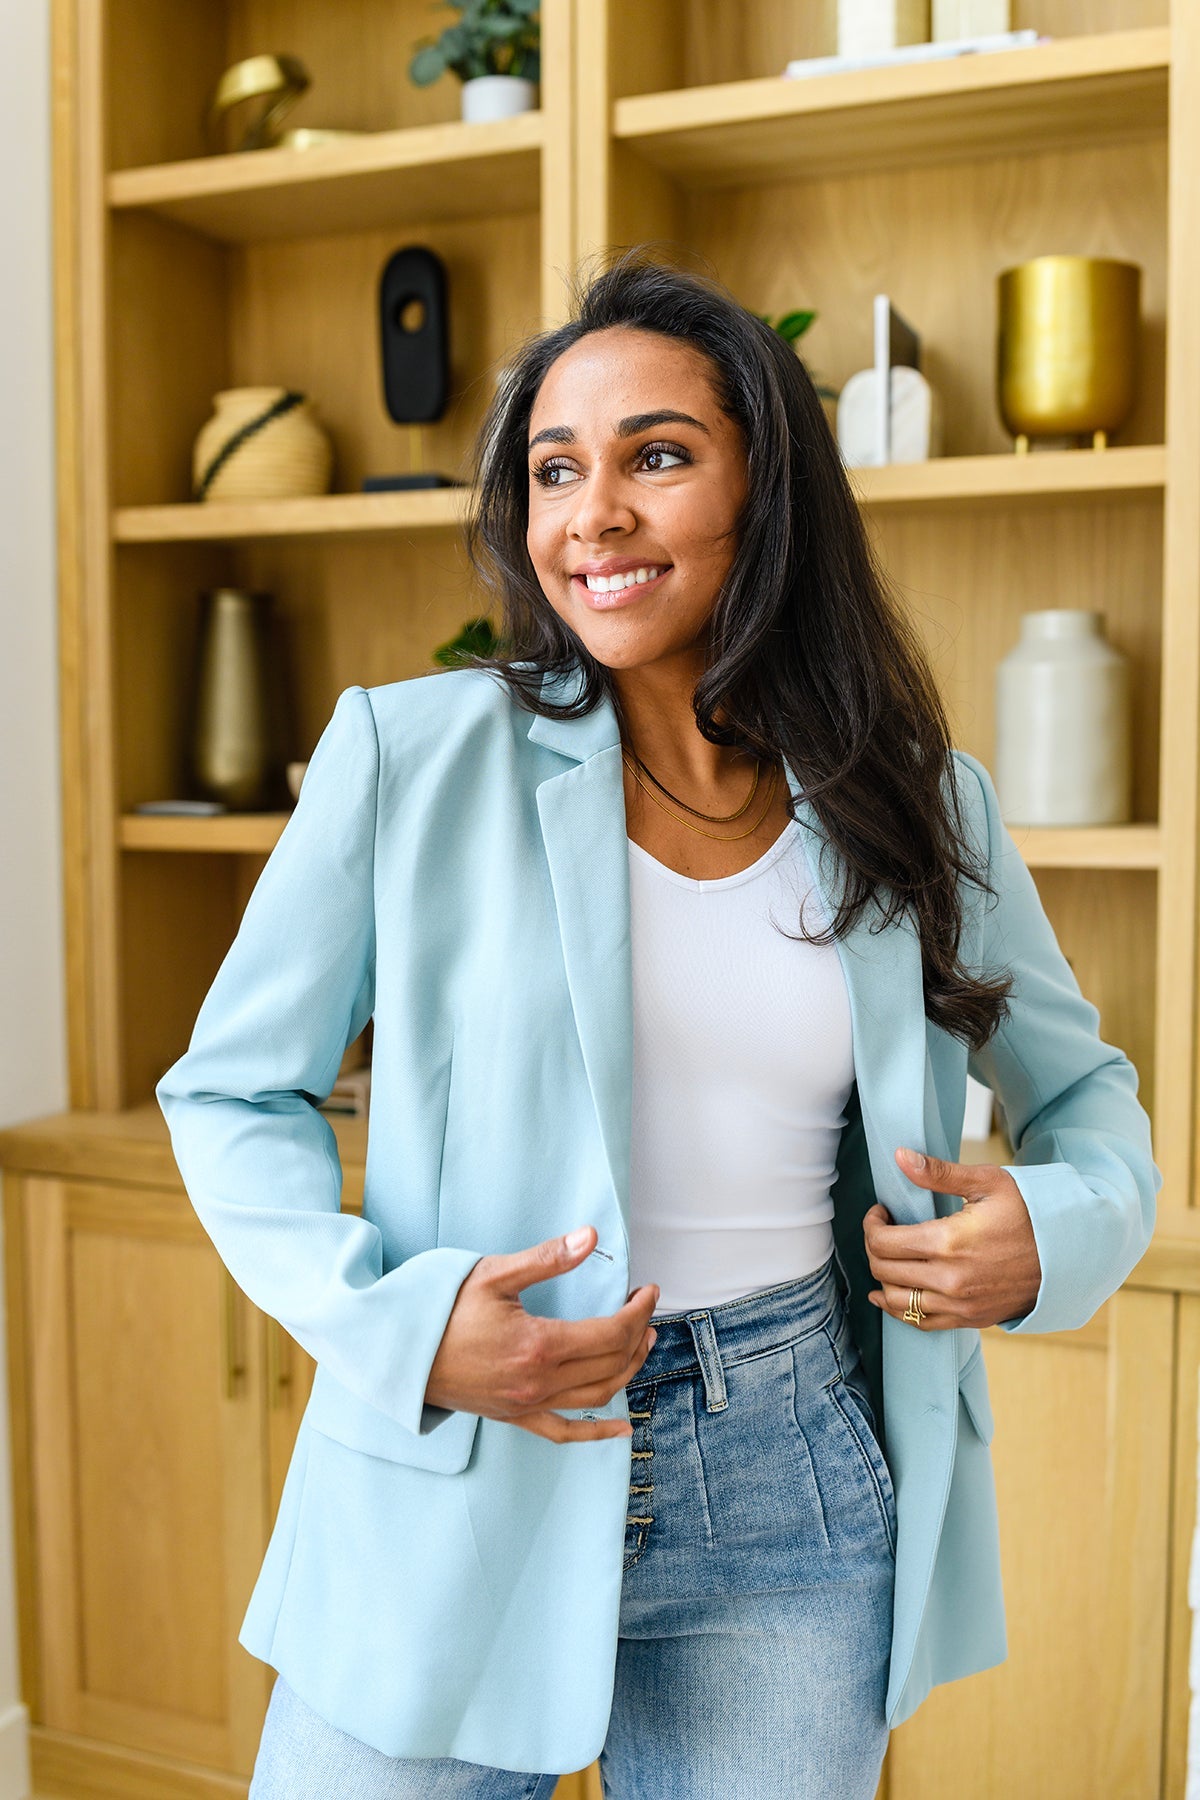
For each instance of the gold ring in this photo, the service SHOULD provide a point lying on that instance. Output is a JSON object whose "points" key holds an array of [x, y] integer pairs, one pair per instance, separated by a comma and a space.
{"points": [[913, 1312]]}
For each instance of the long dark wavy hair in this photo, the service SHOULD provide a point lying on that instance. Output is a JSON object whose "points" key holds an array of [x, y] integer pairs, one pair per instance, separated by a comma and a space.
{"points": [[810, 656]]}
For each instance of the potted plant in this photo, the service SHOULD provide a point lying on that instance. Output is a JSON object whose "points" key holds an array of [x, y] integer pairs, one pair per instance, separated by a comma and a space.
{"points": [[791, 327], [494, 50]]}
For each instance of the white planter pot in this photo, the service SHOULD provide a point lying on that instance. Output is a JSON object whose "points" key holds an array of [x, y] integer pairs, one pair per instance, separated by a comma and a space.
{"points": [[497, 97], [1063, 724]]}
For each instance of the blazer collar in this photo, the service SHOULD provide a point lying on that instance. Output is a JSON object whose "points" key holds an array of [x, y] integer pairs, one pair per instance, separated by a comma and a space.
{"points": [[582, 814]]}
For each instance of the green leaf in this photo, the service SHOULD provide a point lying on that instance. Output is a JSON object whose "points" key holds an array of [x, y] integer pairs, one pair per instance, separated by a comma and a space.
{"points": [[794, 324], [427, 65], [477, 638]]}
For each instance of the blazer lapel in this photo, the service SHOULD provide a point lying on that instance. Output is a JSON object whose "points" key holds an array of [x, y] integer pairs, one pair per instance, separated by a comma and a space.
{"points": [[582, 815]]}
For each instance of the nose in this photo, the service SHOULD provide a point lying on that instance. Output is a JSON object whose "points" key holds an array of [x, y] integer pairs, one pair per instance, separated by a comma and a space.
{"points": [[604, 505]]}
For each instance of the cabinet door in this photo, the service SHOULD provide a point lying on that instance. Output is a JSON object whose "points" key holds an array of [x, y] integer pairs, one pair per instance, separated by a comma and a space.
{"points": [[1082, 1453], [149, 1489]]}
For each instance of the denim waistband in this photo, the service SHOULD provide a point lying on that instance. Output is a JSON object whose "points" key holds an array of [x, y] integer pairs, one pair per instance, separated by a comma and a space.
{"points": [[707, 1340]]}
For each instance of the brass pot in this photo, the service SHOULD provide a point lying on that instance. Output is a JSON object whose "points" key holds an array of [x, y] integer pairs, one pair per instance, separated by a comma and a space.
{"points": [[237, 748], [1067, 345]]}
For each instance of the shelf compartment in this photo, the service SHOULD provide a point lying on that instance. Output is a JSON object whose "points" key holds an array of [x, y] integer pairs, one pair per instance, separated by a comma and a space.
{"points": [[385, 179], [1080, 847], [1107, 88], [1002, 480], [326, 515]]}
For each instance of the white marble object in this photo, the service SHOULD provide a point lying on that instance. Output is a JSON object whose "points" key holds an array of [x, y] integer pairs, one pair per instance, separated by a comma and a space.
{"points": [[867, 26], [1063, 741], [915, 419]]}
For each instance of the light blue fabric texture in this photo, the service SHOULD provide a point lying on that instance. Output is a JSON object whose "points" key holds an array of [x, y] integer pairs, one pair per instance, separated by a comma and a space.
{"points": [[756, 1606], [458, 869]]}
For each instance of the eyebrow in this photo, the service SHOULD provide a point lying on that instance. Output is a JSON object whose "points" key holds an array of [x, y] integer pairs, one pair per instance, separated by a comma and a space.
{"points": [[631, 427]]}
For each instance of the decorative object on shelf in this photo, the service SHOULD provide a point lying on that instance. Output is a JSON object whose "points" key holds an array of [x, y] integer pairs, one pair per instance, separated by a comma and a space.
{"points": [[184, 809], [807, 66], [955, 19], [1063, 735], [238, 731], [296, 771], [865, 27], [477, 638], [414, 332], [261, 443], [495, 50], [1067, 347], [278, 81], [889, 413]]}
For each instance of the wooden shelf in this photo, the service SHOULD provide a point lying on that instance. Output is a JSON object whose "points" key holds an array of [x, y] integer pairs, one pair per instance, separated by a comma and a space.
{"points": [[387, 178], [325, 515], [1076, 91], [1089, 846], [1001, 480], [242, 833], [943, 481], [1079, 847]]}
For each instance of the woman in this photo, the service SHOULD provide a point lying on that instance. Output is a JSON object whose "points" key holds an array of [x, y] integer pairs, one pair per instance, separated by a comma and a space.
{"points": [[649, 1420]]}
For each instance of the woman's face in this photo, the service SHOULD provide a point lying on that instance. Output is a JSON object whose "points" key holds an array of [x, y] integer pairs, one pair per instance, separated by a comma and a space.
{"points": [[634, 472]]}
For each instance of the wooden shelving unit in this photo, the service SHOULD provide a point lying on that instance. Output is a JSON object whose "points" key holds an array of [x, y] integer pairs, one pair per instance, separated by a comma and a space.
{"points": [[185, 267]]}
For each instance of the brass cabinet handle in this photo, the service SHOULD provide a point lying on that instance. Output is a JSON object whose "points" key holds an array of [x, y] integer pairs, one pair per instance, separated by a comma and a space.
{"points": [[233, 1355], [279, 1371]]}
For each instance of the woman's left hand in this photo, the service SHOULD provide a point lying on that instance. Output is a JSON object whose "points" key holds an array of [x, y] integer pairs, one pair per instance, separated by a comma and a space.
{"points": [[976, 1267]]}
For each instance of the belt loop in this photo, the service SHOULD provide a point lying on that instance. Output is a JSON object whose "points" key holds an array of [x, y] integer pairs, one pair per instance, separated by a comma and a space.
{"points": [[705, 1340]]}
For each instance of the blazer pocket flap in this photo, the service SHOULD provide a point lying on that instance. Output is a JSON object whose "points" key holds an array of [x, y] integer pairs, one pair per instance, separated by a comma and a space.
{"points": [[337, 1413], [973, 1386]]}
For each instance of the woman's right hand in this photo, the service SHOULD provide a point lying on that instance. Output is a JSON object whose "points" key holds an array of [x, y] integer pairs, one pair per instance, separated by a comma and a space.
{"points": [[499, 1361]]}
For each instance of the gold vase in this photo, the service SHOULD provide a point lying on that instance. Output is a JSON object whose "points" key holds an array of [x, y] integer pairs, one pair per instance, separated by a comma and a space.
{"points": [[1067, 344], [238, 752]]}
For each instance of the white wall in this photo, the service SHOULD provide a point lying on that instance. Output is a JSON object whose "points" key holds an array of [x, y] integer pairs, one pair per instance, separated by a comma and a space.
{"points": [[32, 1024]]}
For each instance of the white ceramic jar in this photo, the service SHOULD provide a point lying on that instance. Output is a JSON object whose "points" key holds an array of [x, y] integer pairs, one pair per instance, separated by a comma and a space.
{"points": [[1063, 737]]}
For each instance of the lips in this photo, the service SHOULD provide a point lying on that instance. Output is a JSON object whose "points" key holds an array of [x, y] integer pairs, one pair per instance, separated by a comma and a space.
{"points": [[605, 601]]}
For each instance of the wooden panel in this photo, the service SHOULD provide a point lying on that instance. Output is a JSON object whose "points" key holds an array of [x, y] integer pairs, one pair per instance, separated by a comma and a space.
{"points": [[1184, 1523], [433, 509], [1082, 1458], [147, 1472]]}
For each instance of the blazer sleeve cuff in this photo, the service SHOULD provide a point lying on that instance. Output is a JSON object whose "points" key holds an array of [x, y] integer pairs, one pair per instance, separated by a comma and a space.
{"points": [[1085, 1240]]}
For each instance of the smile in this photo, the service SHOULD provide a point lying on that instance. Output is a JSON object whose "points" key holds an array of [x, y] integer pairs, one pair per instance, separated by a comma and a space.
{"points": [[606, 591]]}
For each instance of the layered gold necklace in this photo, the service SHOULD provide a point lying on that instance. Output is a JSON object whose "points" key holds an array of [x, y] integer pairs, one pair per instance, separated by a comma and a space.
{"points": [[637, 768]]}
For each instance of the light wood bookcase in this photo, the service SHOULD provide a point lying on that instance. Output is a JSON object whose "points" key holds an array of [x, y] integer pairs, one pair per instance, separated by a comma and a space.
{"points": [[153, 1410]]}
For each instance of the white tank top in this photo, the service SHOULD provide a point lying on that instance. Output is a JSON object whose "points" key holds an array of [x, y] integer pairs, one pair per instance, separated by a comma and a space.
{"points": [[742, 1067]]}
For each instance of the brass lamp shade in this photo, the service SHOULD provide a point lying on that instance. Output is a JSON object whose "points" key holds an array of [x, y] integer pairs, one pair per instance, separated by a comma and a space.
{"points": [[1067, 346]]}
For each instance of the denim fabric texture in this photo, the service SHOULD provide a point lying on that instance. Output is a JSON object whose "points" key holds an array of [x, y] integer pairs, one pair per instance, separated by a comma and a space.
{"points": [[756, 1599]]}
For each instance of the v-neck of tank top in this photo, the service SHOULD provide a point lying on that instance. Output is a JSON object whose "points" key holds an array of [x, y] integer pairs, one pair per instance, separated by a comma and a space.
{"points": [[697, 886]]}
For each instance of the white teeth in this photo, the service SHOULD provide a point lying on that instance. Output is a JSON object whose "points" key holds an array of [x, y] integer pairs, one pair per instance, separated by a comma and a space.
{"points": [[612, 584]]}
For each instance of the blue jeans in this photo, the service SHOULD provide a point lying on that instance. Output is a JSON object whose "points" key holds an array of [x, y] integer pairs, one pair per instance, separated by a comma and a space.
{"points": [[756, 1600]]}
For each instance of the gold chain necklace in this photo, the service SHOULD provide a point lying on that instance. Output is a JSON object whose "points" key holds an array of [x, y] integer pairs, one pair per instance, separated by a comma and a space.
{"points": [[711, 818], [632, 763]]}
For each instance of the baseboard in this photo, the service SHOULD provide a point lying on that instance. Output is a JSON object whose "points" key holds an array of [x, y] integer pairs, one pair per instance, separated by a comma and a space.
{"points": [[72, 1768], [14, 1753]]}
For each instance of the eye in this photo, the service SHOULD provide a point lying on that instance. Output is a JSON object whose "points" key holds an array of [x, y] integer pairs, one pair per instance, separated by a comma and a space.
{"points": [[652, 455], [544, 472]]}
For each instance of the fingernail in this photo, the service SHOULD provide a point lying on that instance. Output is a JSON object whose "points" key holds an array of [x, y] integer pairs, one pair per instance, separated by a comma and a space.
{"points": [[577, 1239], [918, 1160], [653, 1339]]}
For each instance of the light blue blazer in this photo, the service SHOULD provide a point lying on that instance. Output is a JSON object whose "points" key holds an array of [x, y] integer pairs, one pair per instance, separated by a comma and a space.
{"points": [[443, 1585]]}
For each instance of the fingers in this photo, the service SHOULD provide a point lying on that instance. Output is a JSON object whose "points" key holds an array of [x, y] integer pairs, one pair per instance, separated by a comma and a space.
{"points": [[521, 1268], [966, 1179], [586, 1390], [939, 1316], [571, 1431]]}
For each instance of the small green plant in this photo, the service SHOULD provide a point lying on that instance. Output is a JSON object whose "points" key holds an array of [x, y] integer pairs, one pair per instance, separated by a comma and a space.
{"points": [[492, 37], [477, 638], [792, 326]]}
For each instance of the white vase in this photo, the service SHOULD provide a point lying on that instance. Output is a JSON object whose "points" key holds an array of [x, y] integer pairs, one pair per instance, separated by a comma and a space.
{"points": [[1063, 724], [497, 97]]}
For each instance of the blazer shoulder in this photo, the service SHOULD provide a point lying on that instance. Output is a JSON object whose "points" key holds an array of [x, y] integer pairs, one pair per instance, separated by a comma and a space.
{"points": [[976, 796], [443, 701]]}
